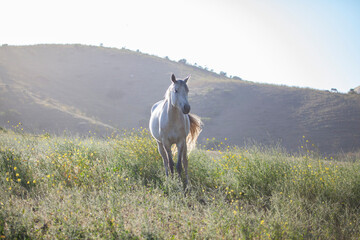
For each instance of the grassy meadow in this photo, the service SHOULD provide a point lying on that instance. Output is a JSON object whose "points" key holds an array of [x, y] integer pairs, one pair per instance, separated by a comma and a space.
{"points": [[72, 187]]}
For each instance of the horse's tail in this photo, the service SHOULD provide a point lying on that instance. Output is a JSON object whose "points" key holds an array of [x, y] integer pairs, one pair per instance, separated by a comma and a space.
{"points": [[195, 130]]}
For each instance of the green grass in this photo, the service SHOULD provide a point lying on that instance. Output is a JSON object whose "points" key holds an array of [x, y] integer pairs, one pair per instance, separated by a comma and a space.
{"points": [[115, 188]]}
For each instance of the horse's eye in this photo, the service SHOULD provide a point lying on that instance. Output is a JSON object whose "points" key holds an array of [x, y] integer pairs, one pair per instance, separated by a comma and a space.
{"points": [[175, 90]]}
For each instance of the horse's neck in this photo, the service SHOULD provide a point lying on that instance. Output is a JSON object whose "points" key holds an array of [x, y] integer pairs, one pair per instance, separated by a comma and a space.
{"points": [[173, 112]]}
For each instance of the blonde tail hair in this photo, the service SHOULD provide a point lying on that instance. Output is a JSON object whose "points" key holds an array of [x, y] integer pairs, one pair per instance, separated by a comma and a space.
{"points": [[195, 130]]}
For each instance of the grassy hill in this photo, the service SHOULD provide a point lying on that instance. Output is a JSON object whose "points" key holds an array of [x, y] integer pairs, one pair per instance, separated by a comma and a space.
{"points": [[115, 188], [79, 88]]}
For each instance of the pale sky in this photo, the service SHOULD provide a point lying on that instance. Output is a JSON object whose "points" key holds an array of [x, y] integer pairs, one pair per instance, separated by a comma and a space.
{"points": [[306, 43]]}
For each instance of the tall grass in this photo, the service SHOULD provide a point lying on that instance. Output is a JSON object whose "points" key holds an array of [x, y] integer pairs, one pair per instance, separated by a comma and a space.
{"points": [[115, 188]]}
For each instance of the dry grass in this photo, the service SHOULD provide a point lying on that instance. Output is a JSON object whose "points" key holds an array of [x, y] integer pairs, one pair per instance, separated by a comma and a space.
{"points": [[115, 188]]}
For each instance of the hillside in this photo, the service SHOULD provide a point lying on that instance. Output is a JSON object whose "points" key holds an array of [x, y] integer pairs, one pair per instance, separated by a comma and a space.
{"points": [[80, 88]]}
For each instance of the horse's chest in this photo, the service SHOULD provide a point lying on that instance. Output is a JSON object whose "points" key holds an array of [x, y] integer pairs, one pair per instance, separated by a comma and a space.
{"points": [[174, 131]]}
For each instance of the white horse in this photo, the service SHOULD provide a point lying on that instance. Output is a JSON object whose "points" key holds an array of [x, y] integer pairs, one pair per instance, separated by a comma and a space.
{"points": [[171, 123]]}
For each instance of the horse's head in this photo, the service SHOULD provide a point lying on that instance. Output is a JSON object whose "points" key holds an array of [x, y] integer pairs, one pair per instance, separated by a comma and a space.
{"points": [[179, 94]]}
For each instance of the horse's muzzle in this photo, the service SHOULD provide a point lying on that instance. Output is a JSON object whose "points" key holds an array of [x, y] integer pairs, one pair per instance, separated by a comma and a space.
{"points": [[186, 109]]}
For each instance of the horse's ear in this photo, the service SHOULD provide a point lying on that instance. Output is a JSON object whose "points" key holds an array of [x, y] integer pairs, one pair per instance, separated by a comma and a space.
{"points": [[187, 78], [173, 78]]}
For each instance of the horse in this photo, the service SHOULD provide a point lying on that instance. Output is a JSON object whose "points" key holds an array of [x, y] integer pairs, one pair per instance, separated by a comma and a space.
{"points": [[171, 123]]}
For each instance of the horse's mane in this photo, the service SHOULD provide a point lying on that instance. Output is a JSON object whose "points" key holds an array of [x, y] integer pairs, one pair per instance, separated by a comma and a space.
{"points": [[167, 94]]}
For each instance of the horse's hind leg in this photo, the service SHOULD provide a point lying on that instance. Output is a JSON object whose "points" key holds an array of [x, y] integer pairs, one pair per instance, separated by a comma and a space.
{"points": [[164, 157]]}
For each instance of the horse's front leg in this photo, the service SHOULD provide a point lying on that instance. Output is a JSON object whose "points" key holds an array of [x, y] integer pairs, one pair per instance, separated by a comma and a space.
{"points": [[181, 148], [185, 163], [169, 155], [164, 157]]}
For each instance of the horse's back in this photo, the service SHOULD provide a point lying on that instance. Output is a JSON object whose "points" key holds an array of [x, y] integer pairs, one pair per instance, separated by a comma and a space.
{"points": [[154, 120], [156, 105]]}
